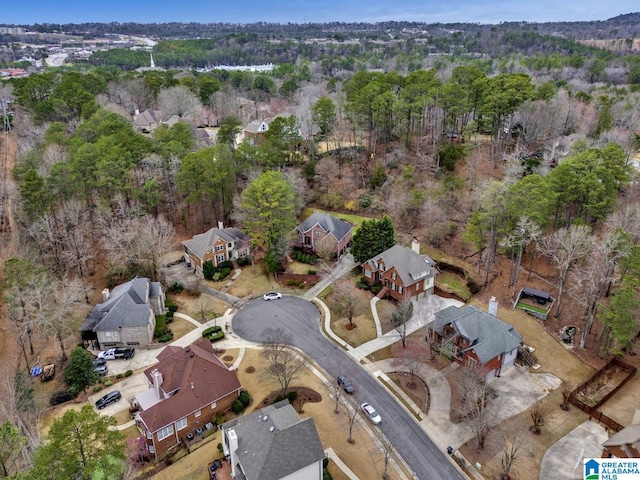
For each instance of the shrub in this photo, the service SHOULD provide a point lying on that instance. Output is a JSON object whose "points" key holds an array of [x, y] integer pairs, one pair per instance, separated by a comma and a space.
{"points": [[224, 273], [172, 309], [220, 418], [216, 336], [311, 271], [242, 261], [225, 264], [128, 373], [60, 396], [376, 289], [363, 286], [237, 407], [118, 376], [244, 398], [208, 270], [278, 398], [97, 388], [291, 396], [161, 326], [107, 383], [365, 200], [220, 447], [167, 337], [292, 282], [176, 287], [208, 331]]}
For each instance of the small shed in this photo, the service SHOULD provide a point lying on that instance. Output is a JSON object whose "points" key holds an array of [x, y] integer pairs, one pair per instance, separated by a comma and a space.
{"points": [[535, 302]]}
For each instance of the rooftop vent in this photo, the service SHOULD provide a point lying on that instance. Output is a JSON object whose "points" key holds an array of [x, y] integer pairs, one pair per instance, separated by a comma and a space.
{"points": [[272, 428], [265, 418], [191, 384]]}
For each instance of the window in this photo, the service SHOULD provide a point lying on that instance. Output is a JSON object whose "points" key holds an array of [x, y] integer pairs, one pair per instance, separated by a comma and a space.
{"points": [[198, 413], [149, 434], [399, 289], [165, 432], [219, 258], [471, 362], [213, 405], [219, 248], [229, 245], [180, 424], [367, 273], [107, 334], [393, 286], [393, 275], [152, 449], [381, 267]]}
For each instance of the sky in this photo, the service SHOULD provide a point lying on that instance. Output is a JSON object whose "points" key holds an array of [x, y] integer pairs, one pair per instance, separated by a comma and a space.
{"points": [[303, 11]]}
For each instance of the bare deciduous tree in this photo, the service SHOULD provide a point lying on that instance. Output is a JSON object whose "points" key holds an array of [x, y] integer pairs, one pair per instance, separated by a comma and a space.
{"points": [[400, 318], [565, 391], [410, 357], [476, 405], [513, 443], [525, 231], [347, 300], [351, 412], [178, 100], [285, 365], [538, 415], [565, 246]]}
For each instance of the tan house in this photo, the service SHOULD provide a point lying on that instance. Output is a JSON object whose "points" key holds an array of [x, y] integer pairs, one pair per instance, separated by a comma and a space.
{"points": [[402, 271], [126, 315], [147, 121], [187, 387], [273, 443], [218, 245], [323, 233]]}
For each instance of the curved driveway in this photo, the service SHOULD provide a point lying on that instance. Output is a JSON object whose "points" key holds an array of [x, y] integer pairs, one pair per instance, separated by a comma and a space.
{"points": [[300, 319]]}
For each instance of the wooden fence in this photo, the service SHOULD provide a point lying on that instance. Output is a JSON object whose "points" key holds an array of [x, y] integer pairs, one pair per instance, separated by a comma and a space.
{"points": [[594, 410]]}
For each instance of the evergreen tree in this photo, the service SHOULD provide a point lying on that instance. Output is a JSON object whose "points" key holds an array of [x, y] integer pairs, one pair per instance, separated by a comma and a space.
{"points": [[373, 237]]}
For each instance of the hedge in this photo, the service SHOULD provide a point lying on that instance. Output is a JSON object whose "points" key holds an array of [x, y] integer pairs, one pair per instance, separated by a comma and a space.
{"points": [[237, 407], [216, 336], [208, 331]]}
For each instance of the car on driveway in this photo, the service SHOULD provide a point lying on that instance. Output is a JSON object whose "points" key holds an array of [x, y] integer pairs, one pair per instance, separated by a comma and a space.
{"points": [[108, 399], [101, 370], [346, 384], [371, 412], [98, 362], [272, 296], [113, 353]]}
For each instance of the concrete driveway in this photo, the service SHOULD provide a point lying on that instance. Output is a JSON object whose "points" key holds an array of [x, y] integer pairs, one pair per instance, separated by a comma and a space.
{"points": [[129, 388], [300, 319]]}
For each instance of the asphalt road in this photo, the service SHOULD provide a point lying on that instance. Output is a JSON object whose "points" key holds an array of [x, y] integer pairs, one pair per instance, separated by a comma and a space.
{"points": [[300, 319]]}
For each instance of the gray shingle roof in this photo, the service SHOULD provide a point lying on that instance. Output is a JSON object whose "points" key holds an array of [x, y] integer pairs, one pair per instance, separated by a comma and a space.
{"points": [[148, 117], [626, 436], [256, 126], [410, 265], [335, 226], [489, 336], [127, 306], [200, 243], [276, 447]]}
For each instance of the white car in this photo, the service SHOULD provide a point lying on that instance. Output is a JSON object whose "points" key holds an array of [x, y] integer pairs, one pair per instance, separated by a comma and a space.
{"points": [[371, 412], [272, 296]]}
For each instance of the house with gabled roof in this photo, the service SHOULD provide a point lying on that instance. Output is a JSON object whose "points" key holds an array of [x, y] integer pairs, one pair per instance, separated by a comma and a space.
{"points": [[322, 233], [403, 272], [273, 443], [476, 339], [218, 245], [187, 388], [254, 131], [147, 121], [126, 315]]}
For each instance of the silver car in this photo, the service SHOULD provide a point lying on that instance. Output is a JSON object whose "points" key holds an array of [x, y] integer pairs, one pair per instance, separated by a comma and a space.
{"points": [[371, 412]]}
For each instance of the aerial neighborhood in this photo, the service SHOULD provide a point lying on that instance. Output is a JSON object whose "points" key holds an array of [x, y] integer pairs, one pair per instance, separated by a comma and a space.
{"points": [[282, 251]]}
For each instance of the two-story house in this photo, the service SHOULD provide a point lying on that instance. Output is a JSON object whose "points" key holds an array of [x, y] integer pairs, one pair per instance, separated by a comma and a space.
{"points": [[218, 245], [187, 387], [402, 271], [273, 443], [476, 339], [126, 315], [323, 234]]}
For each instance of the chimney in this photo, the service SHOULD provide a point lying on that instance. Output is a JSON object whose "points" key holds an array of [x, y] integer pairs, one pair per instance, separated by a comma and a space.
{"points": [[493, 306], [157, 381], [232, 440], [415, 245], [220, 224], [105, 295], [136, 112]]}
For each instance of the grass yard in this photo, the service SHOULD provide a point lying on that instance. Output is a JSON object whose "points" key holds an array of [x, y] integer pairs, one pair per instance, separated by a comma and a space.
{"points": [[355, 220], [532, 308], [252, 281], [300, 268], [364, 332], [193, 307], [180, 327], [362, 316], [452, 283]]}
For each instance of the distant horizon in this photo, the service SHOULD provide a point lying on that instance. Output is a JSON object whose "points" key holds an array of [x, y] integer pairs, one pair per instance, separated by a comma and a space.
{"points": [[311, 11]]}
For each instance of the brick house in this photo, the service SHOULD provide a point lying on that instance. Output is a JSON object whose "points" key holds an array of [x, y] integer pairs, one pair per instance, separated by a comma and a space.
{"points": [[476, 339], [402, 271], [273, 443], [218, 245], [323, 233], [126, 315], [187, 387]]}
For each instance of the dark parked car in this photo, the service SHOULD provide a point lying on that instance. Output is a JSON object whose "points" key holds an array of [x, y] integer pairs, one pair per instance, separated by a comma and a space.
{"points": [[101, 370], [99, 362], [108, 399], [346, 384]]}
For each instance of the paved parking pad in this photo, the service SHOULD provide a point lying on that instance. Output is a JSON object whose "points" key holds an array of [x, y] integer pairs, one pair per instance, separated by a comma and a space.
{"points": [[129, 388]]}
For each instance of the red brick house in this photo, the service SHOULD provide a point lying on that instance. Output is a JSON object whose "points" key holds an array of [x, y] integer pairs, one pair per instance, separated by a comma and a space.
{"points": [[402, 271], [323, 233], [187, 387], [623, 444], [218, 245], [476, 339]]}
